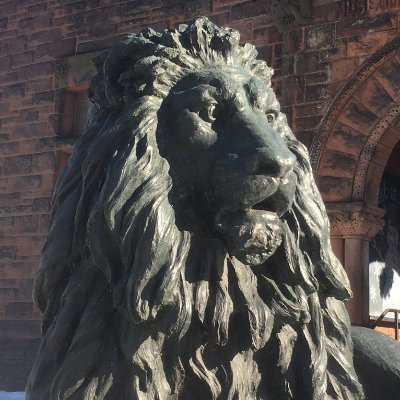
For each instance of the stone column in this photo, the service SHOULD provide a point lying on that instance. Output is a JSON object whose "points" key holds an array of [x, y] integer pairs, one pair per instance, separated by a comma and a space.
{"points": [[352, 227]]}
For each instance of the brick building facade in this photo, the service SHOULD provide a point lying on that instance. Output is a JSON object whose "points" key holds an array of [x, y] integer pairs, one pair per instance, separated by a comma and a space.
{"points": [[337, 76]]}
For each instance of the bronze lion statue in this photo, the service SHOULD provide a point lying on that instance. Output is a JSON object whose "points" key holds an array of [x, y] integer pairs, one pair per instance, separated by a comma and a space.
{"points": [[189, 253]]}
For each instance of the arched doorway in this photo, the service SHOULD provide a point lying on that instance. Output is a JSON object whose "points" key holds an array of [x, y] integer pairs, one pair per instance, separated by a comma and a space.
{"points": [[349, 155], [384, 251]]}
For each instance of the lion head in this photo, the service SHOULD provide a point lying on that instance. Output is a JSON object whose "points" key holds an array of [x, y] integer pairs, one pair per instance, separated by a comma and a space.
{"points": [[189, 252]]}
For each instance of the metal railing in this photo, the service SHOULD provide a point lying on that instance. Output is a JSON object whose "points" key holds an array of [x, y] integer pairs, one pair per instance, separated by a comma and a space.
{"points": [[396, 312]]}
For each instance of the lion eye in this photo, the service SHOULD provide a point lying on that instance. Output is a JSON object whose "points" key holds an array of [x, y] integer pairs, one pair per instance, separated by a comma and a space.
{"points": [[209, 113], [271, 118]]}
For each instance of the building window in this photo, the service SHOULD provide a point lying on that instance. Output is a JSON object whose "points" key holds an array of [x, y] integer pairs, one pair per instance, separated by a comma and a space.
{"points": [[72, 76], [74, 114]]}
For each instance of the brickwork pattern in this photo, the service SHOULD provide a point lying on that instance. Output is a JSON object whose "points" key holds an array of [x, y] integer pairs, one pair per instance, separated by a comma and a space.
{"points": [[311, 64], [319, 59]]}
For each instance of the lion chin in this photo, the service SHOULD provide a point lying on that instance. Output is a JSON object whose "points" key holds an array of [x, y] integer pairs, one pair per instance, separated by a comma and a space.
{"points": [[189, 253]]}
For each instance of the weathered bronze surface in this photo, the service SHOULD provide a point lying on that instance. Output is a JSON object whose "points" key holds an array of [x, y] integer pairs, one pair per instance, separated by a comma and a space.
{"points": [[377, 362], [189, 253]]}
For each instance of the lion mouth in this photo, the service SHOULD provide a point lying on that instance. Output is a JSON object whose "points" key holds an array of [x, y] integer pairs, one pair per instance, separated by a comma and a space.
{"points": [[272, 204], [281, 200], [235, 192], [263, 205]]}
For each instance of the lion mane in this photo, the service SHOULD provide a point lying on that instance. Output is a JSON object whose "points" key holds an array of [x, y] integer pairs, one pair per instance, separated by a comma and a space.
{"points": [[135, 306]]}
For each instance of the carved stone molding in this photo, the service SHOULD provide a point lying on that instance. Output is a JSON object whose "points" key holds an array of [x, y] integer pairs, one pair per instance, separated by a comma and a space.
{"points": [[74, 71], [342, 98], [355, 220], [288, 14], [60, 69], [65, 144], [369, 150]]}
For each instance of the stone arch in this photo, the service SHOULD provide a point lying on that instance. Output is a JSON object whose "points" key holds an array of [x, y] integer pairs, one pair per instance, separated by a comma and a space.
{"points": [[359, 131], [349, 154]]}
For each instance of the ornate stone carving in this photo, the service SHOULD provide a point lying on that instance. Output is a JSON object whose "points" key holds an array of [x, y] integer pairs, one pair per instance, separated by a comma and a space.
{"points": [[339, 103], [355, 220], [189, 253], [75, 71], [368, 151], [288, 14], [60, 69]]}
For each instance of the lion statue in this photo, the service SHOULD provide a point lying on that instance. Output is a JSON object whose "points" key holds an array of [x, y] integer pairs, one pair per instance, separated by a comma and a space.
{"points": [[189, 253]]}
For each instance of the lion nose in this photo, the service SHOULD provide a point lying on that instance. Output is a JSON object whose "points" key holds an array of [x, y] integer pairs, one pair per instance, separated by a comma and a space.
{"points": [[276, 165]]}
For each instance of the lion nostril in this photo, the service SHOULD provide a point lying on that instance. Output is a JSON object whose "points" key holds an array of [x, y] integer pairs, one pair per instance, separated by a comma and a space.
{"points": [[272, 167], [286, 164], [276, 166]]}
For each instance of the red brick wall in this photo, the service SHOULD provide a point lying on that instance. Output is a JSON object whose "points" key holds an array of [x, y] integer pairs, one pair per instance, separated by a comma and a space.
{"points": [[311, 64], [319, 59], [33, 34], [387, 328]]}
